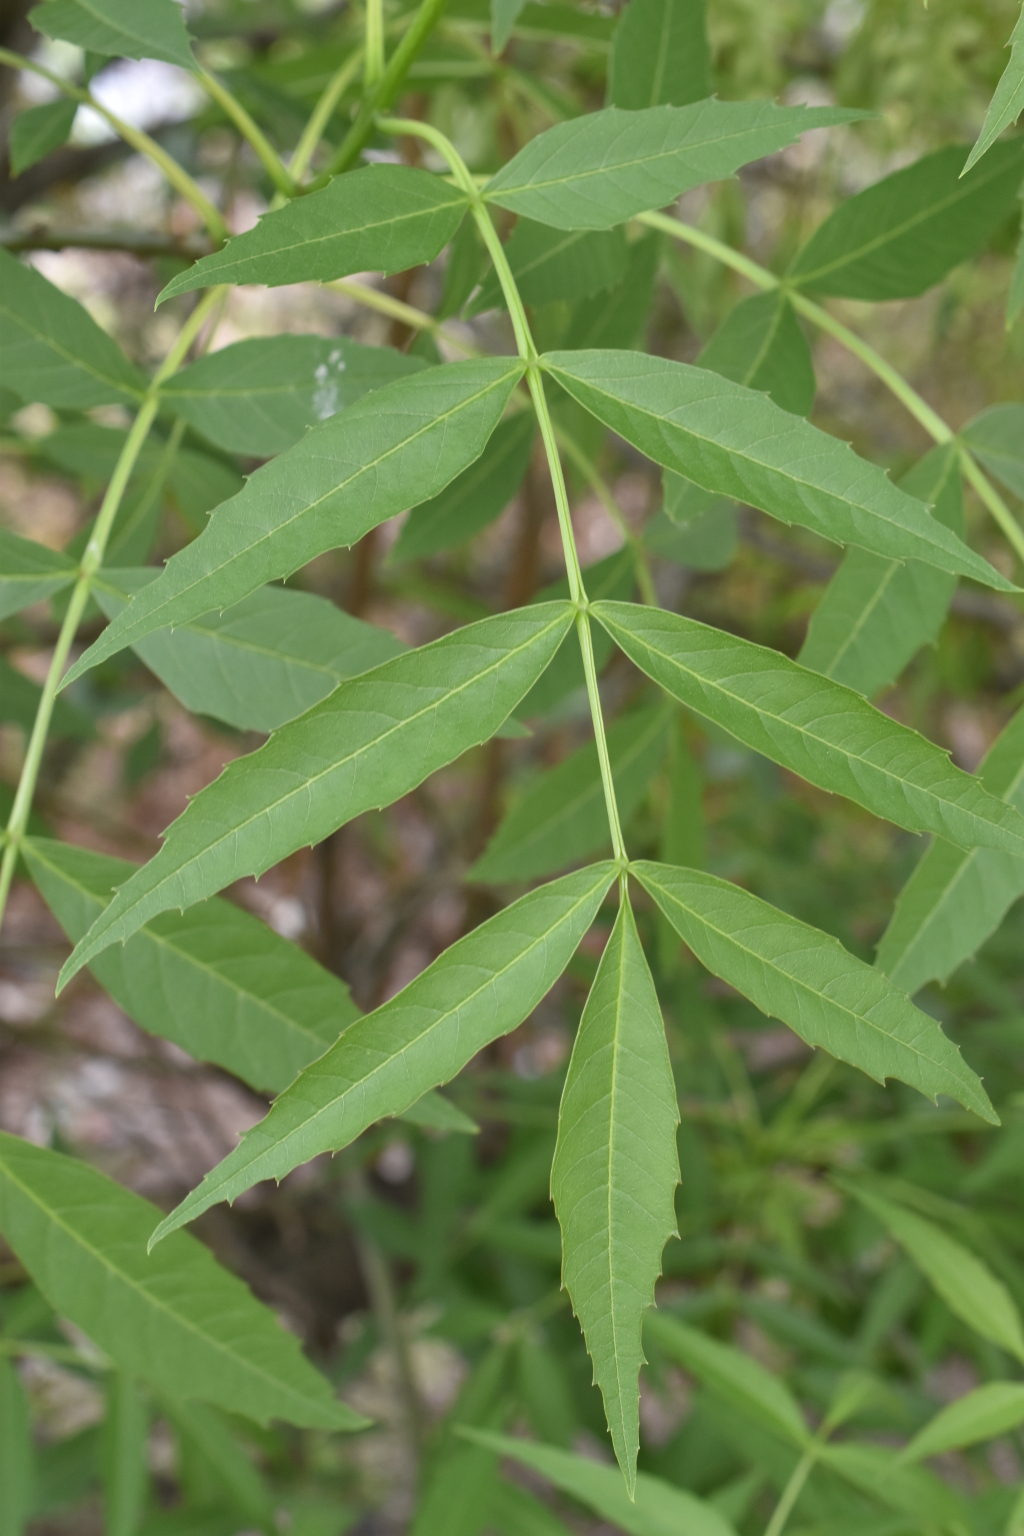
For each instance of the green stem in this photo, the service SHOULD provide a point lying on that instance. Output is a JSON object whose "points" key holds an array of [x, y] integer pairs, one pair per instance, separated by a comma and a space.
{"points": [[91, 561], [322, 114], [922, 412], [535, 383], [374, 62], [179, 178], [395, 309], [386, 89], [783, 1509], [250, 131]]}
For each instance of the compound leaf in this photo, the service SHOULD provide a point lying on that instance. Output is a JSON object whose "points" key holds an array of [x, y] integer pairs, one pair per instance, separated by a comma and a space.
{"points": [[562, 817], [215, 980], [876, 614], [30, 572], [966, 1285], [481, 987], [828, 734], [474, 498], [996, 437], [371, 741], [179, 1322], [898, 238], [606, 167], [1008, 102], [983, 1414], [53, 350], [736, 443], [614, 1174], [955, 899], [259, 396], [391, 450], [128, 29], [259, 664], [808, 980], [659, 55], [38, 130], [383, 218]]}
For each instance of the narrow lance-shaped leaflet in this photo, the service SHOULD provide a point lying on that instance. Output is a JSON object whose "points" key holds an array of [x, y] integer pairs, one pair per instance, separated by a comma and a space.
{"points": [[392, 449], [482, 987], [368, 743]]}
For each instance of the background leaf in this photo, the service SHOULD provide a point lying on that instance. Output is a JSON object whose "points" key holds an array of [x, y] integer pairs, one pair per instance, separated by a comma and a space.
{"points": [[30, 573], [123, 1456], [760, 344], [504, 15], [130, 29], [996, 437], [983, 1414], [16, 1452], [38, 130], [1008, 102], [614, 1174], [551, 265], [659, 55]]}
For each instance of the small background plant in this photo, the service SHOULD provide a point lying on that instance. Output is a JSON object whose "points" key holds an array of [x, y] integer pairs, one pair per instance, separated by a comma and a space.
{"points": [[505, 514]]}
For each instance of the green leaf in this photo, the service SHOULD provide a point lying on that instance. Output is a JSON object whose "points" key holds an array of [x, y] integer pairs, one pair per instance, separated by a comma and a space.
{"points": [[207, 1441], [129, 29], [262, 662], [738, 444], [606, 167], [1008, 102], [370, 742], [928, 1502], [738, 1378], [827, 734], [215, 980], [966, 1285], [875, 613], [482, 987], [904, 234], [614, 1174], [996, 437], [983, 1414], [392, 449], [616, 319], [704, 541], [123, 1456], [38, 130], [808, 980], [611, 577], [760, 344], [562, 818], [17, 1456], [554, 264], [474, 498], [436, 1113], [53, 350], [1014, 305], [954, 900], [258, 396], [383, 218], [659, 55], [504, 15], [179, 1322], [19, 702], [658, 1508], [30, 573]]}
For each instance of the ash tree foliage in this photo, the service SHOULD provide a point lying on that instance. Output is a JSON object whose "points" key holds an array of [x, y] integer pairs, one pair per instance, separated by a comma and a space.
{"points": [[561, 244]]}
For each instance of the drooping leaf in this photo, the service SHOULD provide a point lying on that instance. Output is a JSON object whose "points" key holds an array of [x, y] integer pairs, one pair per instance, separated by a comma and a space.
{"points": [[123, 1460], [1008, 102], [828, 734], [19, 701], [996, 437], [38, 130], [760, 344], [614, 1174], [179, 1322], [371, 741], [53, 350], [129, 29], [474, 498], [391, 450], [259, 664], [983, 1414], [955, 899], [562, 818], [259, 396], [876, 614], [603, 168], [549, 264], [658, 1509], [736, 443], [383, 218], [733, 1375], [482, 987], [17, 1456], [898, 238], [216, 981], [966, 1285], [659, 55], [504, 15], [808, 980], [30, 573]]}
